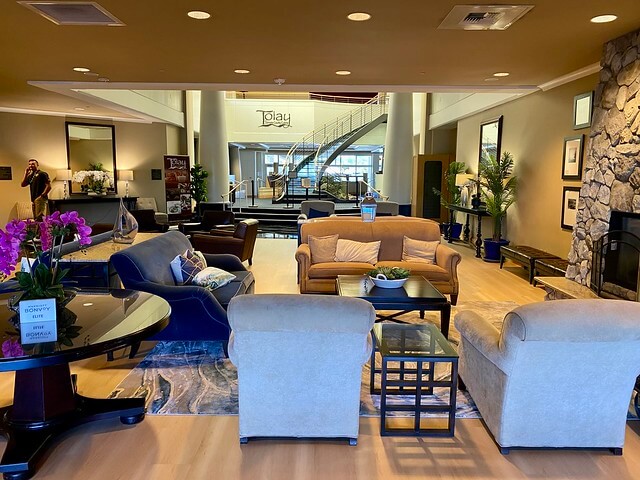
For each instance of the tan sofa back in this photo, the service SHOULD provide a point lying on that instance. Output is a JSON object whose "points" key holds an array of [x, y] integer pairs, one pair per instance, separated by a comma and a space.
{"points": [[389, 230]]}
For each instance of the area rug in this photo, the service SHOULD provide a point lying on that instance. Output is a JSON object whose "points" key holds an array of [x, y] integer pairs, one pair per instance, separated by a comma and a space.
{"points": [[194, 378]]}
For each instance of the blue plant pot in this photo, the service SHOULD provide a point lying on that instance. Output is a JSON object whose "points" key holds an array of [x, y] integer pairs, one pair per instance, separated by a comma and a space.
{"points": [[492, 249]]}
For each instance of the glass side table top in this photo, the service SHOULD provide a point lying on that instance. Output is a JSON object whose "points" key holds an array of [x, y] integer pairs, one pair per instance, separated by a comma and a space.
{"points": [[400, 340]]}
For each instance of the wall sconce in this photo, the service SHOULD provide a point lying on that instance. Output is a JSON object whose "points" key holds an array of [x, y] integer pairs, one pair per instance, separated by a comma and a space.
{"points": [[64, 176], [127, 176]]}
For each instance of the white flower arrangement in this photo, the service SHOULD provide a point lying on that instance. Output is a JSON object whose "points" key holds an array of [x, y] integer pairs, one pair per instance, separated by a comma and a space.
{"points": [[93, 180]]}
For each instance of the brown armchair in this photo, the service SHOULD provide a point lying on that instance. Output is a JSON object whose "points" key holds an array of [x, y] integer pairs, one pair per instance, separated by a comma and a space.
{"points": [[239, 242], [210, 219], [147, 221]]}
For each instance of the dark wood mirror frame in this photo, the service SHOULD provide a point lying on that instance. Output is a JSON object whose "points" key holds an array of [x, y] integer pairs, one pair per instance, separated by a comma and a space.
{"points": [[96, 153], [496, 123]]}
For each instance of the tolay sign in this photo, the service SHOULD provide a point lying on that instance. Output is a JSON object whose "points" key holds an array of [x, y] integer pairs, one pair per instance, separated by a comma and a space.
{"points": [[271, 118]]}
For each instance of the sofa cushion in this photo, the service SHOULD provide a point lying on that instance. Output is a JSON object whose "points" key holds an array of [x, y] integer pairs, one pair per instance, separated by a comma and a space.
{"points": [[212, 278], [243, 283], [187, 265], [352, 251], [323, 249], [419, 250], [313, 213], [432, 272], [333, 269]]}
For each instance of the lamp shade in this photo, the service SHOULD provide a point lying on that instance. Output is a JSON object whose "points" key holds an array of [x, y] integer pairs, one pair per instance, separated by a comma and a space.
{"points": [[463, 178], [64, 175], [126, 175]]}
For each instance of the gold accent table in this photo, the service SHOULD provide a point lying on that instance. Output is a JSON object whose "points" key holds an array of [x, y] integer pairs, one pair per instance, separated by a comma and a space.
{"points": [[559, 288]]}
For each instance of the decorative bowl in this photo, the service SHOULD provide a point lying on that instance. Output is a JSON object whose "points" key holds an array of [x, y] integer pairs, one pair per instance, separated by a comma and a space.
{"points": [[382, 282]]}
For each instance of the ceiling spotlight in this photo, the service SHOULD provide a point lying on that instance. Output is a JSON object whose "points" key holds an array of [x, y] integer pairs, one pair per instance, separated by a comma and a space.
{"points": [[242, 71], [359, 16], [81, 69], [603, 19], [343, 72], [279, 81], [501, 74], [198, 14]]}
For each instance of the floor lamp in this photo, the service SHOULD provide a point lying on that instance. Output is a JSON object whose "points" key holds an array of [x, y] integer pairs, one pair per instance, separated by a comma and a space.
{"points": [[64, 176]]}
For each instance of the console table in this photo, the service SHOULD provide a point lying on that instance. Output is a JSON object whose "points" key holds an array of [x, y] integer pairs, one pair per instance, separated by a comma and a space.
{"points": [[93, 208], [476, 212]]}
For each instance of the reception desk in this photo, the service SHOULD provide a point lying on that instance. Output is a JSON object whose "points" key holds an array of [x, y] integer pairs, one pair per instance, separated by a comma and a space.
{"points": [[93, 208]]}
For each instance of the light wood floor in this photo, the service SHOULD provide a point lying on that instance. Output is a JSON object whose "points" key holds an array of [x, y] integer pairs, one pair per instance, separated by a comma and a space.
{"points": [[164, 447]]}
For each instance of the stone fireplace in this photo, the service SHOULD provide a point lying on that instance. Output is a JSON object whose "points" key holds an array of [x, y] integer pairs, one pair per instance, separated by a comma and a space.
{"points": [[612, 173]]}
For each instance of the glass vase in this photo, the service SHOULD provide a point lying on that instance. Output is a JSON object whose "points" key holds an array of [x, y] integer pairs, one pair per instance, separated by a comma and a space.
{"points": [[126, 226]]}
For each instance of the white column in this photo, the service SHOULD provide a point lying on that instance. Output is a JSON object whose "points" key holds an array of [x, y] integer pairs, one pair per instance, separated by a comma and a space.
{"points": [[188, 97], [214, 148], [398, 151]]}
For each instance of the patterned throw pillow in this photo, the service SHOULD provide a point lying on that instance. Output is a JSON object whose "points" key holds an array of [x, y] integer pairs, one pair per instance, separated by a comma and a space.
{"points": [[186, 266], [212, 278]]}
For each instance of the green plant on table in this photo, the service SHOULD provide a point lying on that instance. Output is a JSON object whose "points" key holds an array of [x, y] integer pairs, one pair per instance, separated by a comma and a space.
{"points": [[392, 273], [453, 192]]}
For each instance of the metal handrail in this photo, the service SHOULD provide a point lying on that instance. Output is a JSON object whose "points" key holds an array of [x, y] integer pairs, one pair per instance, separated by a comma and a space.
{"points": [[233, 189], [373, 189]]}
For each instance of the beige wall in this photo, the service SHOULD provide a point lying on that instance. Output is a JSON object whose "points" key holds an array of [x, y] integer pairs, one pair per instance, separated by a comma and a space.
{"points": [[534, 128], [139, 147]]}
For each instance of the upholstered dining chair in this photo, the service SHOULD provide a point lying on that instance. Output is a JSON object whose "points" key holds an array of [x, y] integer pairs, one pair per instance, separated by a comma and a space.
{"points": [[297, 376], [559, 373]]}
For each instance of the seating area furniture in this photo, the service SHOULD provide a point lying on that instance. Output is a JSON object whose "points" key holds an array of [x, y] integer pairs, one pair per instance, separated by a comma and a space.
{"points": [[298, 376], [413, 350], [317, 208], [149, 203], [387, 208], [196, 313], [523, 255], [239, 242], [147, 221], [321, 277], [550, 267], [559, 374], [210, 220], [24, 210]]}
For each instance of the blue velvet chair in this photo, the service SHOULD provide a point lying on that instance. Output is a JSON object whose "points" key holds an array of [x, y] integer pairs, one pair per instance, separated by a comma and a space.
{"points": [[196, 313]]}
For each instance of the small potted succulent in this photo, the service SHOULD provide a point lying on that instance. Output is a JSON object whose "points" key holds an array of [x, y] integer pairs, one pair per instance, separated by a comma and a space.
{"points": [[389, 277]]}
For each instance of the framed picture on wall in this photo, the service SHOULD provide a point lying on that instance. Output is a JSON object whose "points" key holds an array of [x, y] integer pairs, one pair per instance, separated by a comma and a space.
{"points": [[582, 109], [570, 197], [572, 158]]}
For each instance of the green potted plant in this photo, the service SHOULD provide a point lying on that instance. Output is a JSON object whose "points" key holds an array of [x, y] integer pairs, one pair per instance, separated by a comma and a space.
{"points": [[452, 197], [499, 193], [198, 187]]}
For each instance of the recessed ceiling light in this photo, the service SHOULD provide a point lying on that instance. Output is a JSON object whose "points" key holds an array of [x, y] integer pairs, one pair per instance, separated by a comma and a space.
{"points": [[88, 304], [81, 69], [501, 74], [343, 72], [491, 79], [80, 109], [199, 15], [90, 74], [242, 71], [359, 16], [604, 19]]}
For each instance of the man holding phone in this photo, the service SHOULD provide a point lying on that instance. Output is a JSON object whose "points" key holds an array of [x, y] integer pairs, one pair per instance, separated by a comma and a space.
{"points": [[39, 186]]}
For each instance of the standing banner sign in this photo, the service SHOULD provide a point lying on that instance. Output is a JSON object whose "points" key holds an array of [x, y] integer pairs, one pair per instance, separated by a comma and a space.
{"points": [[177, 180]]}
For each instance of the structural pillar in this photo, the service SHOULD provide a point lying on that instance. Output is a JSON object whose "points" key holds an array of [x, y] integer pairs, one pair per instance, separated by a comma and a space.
{"points": [[398, 152], [214, 148]]}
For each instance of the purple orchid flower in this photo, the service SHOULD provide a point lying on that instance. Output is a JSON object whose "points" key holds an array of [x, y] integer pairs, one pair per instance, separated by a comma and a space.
{"points": [[12, 348]]}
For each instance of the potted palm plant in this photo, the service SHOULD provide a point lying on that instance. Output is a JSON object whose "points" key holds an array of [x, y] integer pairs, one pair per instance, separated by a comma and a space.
{"points": [[499, 192], [452, 198]]}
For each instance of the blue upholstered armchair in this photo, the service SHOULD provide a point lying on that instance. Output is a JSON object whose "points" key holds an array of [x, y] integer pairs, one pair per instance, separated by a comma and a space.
{"points": [[196, 313]]}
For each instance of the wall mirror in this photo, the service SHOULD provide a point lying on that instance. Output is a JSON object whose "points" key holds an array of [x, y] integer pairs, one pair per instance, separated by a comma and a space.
{"points": [[490, 138], [89, 144]]}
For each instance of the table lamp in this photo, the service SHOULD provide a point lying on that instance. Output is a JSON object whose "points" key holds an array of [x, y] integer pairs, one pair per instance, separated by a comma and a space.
{"points": [[127, 176], [64, 176]]}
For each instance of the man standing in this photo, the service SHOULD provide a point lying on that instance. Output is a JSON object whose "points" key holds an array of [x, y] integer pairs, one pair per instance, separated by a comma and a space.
{"points": [[40, 186]]}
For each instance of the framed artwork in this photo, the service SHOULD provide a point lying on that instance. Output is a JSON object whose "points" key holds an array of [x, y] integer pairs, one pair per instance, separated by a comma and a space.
{"points": [[570, 197], [582, 109], [572, 158], [490, 138]]}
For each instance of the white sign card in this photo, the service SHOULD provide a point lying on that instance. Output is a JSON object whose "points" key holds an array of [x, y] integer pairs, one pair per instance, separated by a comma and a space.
{"points": [[38, 321]]}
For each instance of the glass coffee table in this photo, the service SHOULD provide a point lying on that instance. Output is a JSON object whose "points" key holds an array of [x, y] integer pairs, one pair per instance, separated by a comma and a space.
{"points": [[416, 294], [409, 355]]}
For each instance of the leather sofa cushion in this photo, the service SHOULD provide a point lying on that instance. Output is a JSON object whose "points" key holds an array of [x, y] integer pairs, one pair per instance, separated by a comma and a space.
{"points": [[243, 283], [333, 269], [432, 272]]}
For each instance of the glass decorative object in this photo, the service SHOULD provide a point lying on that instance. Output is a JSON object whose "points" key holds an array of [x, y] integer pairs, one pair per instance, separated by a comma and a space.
{"points": [[126, 226], [368, 207]]}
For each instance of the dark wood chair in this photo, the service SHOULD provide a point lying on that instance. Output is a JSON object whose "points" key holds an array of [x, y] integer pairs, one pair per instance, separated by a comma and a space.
{"points": [[239, 242]]}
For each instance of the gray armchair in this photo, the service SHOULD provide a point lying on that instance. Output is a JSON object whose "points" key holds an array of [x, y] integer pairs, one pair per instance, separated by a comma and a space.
{"points": [[559, 374]]}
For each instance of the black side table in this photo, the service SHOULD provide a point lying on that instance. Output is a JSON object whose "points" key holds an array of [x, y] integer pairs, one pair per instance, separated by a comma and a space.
{"points": [[409, 356]]}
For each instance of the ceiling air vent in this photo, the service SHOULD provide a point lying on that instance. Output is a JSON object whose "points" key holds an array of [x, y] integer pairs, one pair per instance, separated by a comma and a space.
{"points": [[73, 13], [483, 17]]}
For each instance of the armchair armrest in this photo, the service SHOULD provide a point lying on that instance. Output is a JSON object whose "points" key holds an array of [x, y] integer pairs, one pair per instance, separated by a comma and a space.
{"points": [[225, 261], [448, 258], [188, 227], [222, 232], [483, 336], [303, 257]]}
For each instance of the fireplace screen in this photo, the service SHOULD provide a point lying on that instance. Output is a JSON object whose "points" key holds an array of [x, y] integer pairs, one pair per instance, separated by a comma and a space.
{"points": [[615, 265]]}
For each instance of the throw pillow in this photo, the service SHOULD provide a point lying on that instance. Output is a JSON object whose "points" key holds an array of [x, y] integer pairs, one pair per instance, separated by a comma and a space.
{"points": [[419, 250], [187, 265], [313, 213], [323, 249], [212, 278], [351, 251]]}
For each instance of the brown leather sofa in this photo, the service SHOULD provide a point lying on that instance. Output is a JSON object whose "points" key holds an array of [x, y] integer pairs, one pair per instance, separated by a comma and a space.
{"points": [[239, 242], [321, 277]]}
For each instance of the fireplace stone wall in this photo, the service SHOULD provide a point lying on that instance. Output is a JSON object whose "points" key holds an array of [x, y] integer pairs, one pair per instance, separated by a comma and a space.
{"points": [[611, 179]]}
